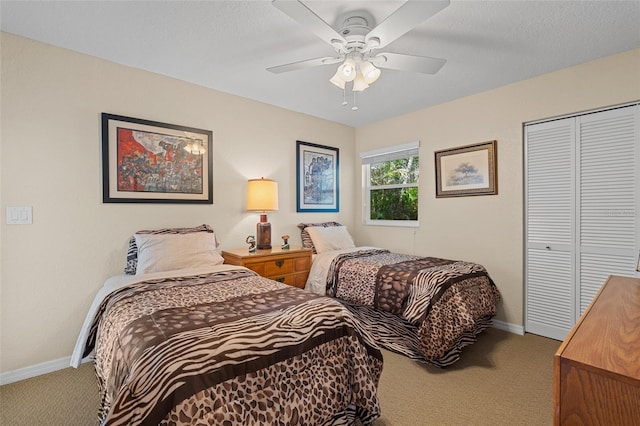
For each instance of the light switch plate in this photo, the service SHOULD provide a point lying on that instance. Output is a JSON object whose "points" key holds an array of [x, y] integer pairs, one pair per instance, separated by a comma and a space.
{"points": [[20, 215]]}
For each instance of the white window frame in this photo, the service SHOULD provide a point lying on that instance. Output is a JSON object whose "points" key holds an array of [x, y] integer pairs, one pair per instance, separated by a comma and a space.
{"points": [[386, 154]]}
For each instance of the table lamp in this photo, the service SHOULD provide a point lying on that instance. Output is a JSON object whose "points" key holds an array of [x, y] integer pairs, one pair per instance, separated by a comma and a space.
{"points": [[262, 196]]}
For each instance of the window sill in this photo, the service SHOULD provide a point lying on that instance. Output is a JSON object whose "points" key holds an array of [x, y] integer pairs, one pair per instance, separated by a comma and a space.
{"points": [[393, 223]]}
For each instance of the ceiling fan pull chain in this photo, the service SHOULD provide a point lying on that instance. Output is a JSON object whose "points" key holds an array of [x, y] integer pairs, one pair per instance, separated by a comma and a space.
{"points": [[354, 107], [344, 97]]}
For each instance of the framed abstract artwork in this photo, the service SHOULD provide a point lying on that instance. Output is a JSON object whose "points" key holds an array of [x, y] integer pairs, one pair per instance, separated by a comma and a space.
{"points": [[150, 162], [467, 170], [317, 170]]}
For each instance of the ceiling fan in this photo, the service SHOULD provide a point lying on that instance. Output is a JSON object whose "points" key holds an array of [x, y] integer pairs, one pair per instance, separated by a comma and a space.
{"points": [[357, 44]]}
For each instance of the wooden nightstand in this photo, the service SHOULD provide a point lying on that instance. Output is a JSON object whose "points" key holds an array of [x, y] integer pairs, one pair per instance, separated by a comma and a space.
{"points": [[286, 266]]}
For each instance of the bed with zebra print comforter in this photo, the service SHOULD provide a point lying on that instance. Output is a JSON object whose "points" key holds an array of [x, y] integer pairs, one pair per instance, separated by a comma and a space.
{"points": [[226, 346], [424, 307]]}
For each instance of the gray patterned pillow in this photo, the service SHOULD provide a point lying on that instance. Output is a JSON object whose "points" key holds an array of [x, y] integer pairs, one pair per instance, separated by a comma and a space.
{"points": [[132, 252], [304, 235]]}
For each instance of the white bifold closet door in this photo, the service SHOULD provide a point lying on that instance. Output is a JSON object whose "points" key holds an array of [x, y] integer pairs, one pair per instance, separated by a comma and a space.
{"points": [[582, 215]]}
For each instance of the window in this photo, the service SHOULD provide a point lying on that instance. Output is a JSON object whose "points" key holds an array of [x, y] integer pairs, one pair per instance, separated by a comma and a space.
{"points": [[390, 183]]}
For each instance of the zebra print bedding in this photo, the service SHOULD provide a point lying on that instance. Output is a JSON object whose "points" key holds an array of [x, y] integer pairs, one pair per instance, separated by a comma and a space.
{"points": [[230, 347], [426, 308]]}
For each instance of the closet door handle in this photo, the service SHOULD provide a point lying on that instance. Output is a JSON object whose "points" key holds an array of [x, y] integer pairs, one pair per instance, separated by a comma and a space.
{"points": [[548, 247]]}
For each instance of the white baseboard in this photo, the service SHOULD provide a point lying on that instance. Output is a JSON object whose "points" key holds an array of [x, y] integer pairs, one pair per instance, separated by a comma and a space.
{"points": [[511, 328], [36, 370], [59, 364]]}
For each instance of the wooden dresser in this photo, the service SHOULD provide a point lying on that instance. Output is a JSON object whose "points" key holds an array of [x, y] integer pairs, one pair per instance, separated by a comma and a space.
{"points": [[286, 266], [597, 367]]}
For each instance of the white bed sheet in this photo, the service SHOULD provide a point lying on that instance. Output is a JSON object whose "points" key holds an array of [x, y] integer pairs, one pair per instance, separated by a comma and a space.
{"points": [[317, 280], [118, 281]]}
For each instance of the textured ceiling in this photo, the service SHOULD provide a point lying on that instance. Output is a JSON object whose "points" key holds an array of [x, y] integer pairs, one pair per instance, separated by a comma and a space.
{"points": [[227, 45]]}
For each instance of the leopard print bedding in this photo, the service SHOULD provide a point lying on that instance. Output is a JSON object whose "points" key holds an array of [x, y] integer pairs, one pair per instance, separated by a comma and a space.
{"points": [[436, 305], [231, 348]]}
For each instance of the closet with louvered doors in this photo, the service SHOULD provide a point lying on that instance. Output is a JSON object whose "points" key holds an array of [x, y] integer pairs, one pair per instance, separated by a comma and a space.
{"points": [[582, 212]]}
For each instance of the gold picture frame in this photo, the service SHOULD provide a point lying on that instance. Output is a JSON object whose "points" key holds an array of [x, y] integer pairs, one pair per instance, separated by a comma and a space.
{"points": [[467, 170]]}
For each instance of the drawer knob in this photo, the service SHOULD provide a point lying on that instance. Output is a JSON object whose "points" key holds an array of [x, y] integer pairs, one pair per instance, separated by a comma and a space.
{"points": [[279, 279], [279, 263]]}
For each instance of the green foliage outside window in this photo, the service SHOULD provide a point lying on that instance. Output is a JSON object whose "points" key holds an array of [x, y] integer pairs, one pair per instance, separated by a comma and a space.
{"points": [[394, 204], [402, 171], [398, 197]]}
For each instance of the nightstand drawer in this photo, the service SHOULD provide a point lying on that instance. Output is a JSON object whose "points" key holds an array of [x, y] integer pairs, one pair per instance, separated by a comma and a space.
{"points": [[300, 280], [295, 280], [290, 266], [258, 268], [302, 264], [278, 267]]}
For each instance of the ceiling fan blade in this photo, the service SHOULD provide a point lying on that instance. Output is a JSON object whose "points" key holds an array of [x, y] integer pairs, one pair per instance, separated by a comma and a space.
{"points": [[404, 19], [307, 18], [401, 62], [304, 64]]}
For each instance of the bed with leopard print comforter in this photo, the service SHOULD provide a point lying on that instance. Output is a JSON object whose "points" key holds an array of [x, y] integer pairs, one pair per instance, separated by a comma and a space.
{"points": [[229, 347], [424, 307]]}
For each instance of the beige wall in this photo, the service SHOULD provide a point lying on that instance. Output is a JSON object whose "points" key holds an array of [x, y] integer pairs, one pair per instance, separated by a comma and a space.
{"points": [[51, 100], [50, 115], [489, 229]]}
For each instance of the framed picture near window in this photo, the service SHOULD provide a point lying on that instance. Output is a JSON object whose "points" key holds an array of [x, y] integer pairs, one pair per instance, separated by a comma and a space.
{"points": [[150, 162], [467, 170], [317, 183]]}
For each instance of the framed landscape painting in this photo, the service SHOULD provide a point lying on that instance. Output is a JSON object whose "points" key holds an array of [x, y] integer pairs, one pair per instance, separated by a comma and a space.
{"points": [[150, 162], [317, 180], [467, 170]]}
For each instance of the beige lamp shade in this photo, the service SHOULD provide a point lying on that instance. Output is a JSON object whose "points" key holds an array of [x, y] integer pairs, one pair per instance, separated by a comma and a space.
{"points": [[262, 195]]}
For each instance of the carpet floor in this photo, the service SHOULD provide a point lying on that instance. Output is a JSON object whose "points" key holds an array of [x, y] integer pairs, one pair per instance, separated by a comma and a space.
{"points": [[503, 379]]}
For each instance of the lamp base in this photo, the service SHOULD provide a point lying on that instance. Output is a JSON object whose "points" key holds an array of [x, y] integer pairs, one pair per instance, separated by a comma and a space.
{"points": [[263, 235]]}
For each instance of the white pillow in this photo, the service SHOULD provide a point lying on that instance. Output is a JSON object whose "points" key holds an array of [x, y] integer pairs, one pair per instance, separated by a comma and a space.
{"points": [[166, 252], [330, 238]]}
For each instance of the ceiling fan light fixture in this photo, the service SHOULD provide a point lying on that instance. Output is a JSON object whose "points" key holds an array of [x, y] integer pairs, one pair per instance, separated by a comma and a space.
{"points": [[356, 42], [369, 72], [337, 80], [359, 84], [348, 70]]}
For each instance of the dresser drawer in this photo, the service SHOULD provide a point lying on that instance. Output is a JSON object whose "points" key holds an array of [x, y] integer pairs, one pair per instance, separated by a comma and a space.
{"points": [[289, 266], [258, 268], [302, 264], [278, 267], [300, 280], [295, 280]]}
